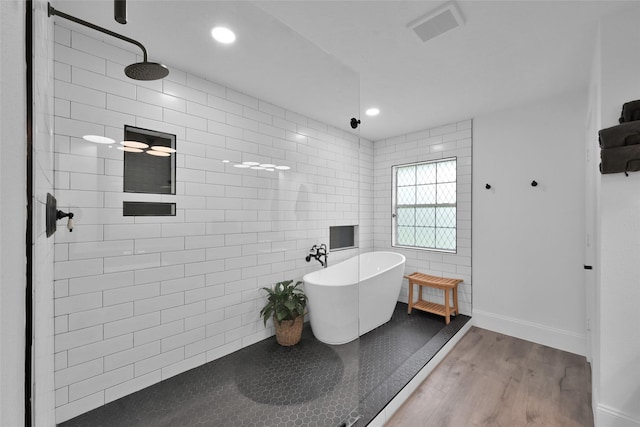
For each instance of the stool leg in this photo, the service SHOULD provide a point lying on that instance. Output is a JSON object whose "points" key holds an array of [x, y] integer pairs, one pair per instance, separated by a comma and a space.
{"points": [[410, 297], [455, 300], [447, 308]]}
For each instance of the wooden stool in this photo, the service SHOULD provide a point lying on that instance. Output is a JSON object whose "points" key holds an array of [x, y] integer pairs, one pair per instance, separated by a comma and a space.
{"points": [[434, 282]]}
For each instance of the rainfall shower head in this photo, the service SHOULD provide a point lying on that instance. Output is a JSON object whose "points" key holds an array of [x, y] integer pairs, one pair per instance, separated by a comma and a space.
{"points": [[144, 70]]}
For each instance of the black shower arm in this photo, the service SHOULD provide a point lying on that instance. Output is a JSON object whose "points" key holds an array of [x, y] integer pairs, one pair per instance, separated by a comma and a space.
{"points": [[54, 12]]}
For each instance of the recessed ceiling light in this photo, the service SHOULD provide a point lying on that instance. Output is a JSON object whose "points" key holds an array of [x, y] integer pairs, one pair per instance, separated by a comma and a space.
{"points": [[270, 169], [372, 112], [130, 149], [98, 139], [241, 166], [134, 144], [223, 35], [158, 153], [282, 168], [163, 148], [268, 165], [258, 168], [251, 163], [225, 161]]}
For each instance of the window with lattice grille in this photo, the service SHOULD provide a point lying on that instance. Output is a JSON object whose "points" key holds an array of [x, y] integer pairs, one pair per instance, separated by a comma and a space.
{"points": [[424, 205]]}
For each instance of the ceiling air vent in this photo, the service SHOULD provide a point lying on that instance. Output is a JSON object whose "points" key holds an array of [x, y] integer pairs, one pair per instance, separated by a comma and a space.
{"points": [[437, 22]]}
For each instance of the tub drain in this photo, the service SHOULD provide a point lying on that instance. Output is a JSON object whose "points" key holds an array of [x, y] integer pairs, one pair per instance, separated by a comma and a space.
{"points": [[351, 421]]}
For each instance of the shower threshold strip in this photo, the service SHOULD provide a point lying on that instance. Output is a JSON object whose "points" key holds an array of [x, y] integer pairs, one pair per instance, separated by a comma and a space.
{"points": [[310, 384]]}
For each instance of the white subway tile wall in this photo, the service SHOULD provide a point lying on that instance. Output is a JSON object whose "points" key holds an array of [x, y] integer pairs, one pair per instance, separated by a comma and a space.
{"points": [[453, 140], [140, 299]]}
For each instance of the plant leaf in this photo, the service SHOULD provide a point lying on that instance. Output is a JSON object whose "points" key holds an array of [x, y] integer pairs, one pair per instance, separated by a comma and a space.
{"points": [[285, 301]]}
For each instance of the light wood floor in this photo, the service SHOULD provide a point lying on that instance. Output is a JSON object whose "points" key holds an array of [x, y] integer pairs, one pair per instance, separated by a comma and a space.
{"points": [[490, 379]]}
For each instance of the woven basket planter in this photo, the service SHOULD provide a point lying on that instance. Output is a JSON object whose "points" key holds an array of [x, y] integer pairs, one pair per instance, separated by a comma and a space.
{"points": [[289, 332]]}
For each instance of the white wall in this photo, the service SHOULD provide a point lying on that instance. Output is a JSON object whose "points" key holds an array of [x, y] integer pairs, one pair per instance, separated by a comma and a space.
{"points": [[138, 300], [12, 211], [528, 241], [617, 398], [592, 234], [450, 140]]}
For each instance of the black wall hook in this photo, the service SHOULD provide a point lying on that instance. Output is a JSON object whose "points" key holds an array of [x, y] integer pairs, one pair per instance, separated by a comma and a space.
{"points": [[534, 183], [487, 186]]}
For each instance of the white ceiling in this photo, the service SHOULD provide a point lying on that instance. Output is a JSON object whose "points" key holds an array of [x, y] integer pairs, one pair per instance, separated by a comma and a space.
{"points": [[331, 60]]}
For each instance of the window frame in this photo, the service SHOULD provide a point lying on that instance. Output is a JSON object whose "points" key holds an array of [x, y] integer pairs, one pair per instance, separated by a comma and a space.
{"points": [[394, 206]]}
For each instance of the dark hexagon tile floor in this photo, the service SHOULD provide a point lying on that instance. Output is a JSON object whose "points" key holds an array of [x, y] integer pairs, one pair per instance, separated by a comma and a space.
{"points": [[311, 384]]}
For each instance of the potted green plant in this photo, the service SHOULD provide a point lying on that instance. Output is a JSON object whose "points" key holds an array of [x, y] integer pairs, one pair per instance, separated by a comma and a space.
{"points": [[286, 304]]}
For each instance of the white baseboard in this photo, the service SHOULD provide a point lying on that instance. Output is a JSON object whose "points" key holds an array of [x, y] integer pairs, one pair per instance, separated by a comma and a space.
{"points": [[541, 334], [609, 417], [406, 392]]}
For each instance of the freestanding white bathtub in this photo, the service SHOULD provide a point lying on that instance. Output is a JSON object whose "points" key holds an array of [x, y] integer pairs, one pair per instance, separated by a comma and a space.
{"points": [[351, 298]]}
